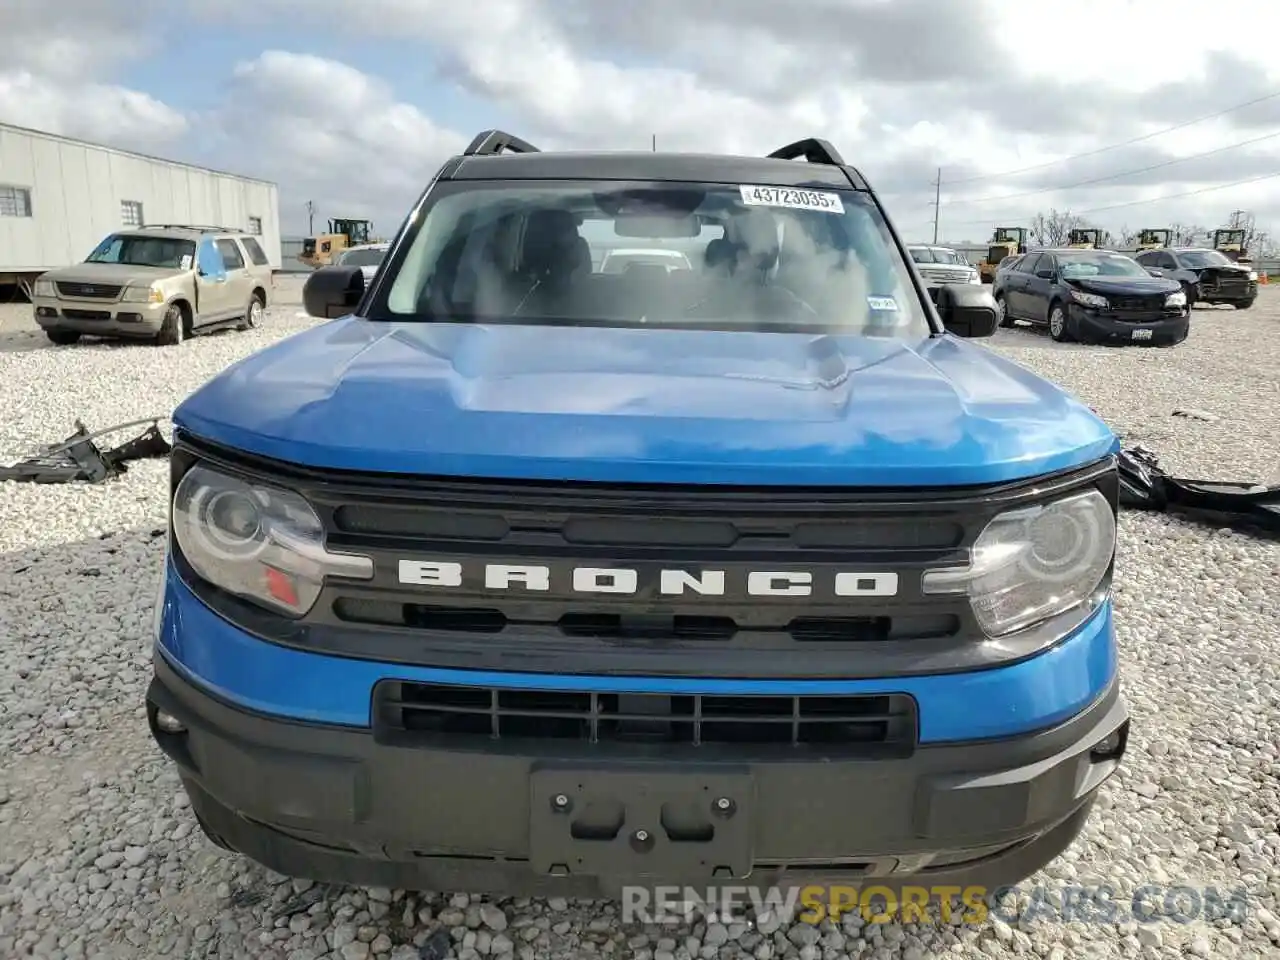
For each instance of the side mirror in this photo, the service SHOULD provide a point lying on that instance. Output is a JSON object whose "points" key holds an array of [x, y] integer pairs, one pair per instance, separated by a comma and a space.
{"points": [[1155, 271], [1044, 274], [333, 291], [967, 311]]}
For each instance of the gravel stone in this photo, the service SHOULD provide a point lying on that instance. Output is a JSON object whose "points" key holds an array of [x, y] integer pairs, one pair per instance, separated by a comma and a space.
{"points": [[102, 858]]}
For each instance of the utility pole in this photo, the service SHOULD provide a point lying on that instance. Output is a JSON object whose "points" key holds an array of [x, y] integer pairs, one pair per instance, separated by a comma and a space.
{"points": [[311, 219], [937, 204], [655, 143]]}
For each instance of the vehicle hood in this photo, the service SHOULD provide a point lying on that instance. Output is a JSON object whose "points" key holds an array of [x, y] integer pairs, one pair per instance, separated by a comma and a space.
{"points": [[1124, 286], [118, 273], [644, 405], [1227, 268]]}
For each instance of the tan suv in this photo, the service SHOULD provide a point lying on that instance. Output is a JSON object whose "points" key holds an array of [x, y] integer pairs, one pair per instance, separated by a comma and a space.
{"points": [[162, 284]]}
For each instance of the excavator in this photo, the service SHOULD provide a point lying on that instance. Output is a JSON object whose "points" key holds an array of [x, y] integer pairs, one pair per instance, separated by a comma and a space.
{"points": [[324, 248], [1005, 242], [1149, 239], [1085, 239], [1231, 244]]}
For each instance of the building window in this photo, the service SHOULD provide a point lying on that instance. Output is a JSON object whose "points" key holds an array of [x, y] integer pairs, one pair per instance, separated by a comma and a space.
{"points": [[131, 213], [14, 201], [255, 226]]}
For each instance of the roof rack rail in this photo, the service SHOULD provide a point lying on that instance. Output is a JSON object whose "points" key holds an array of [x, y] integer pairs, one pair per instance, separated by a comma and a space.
{"points": [[204, 227], [811, 150], [490, 143]]}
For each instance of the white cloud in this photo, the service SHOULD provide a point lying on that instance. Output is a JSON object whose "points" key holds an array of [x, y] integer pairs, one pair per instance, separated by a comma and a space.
{"points": [[327, 132], [101, 113], [901, 87]]}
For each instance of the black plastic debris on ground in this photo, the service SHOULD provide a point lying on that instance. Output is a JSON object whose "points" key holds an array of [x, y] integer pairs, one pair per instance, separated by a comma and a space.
{"points": [[438, 946], [1144, 485], [79, 460]]}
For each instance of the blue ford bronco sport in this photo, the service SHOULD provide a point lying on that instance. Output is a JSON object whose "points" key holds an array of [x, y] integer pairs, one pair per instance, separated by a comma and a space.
{"points": [[524, 577]]}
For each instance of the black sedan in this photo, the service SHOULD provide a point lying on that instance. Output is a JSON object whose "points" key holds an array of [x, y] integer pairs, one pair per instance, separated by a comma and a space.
{"points": [[1206, 276], [1092, 296]]}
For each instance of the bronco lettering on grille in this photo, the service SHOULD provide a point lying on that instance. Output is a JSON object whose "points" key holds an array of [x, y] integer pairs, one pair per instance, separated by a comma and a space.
{"points": [[625, 580]]}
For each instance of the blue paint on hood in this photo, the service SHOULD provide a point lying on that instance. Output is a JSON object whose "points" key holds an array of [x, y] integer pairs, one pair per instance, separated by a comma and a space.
{"points": [[645, 405]]}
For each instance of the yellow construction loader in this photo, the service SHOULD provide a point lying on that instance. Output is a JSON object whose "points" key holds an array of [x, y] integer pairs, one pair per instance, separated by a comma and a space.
{"points": [[1084, 239], [1149, 239], [1231, 244], [1005, 242], [325, 248]]}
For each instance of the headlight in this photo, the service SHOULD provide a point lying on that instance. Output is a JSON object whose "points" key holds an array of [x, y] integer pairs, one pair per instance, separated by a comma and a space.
{"points": [[1253, 274], [45, 288], [260, 543], [143, 295], [1178, 299], [1090, 299], [1035, 563], [973, 277]]}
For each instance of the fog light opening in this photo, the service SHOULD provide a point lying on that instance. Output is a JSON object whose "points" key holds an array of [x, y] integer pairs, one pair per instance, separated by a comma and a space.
{"points": [[168, 723], [1112, 746]]}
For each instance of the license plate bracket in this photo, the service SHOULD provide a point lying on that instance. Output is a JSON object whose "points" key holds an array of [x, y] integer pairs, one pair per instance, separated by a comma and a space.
{"points": [[695, 824], [1143, 333]]}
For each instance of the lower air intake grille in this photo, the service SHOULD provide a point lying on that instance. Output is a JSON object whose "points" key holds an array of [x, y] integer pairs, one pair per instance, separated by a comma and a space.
{"points": [[861, 724]]}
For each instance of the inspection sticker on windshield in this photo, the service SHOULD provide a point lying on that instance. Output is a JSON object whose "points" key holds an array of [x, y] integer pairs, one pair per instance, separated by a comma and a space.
{"points": [[791, 198], [887, 304]]}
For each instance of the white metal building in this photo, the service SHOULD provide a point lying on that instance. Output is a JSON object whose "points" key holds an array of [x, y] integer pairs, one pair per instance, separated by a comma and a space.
{"points": [[60, 197]]}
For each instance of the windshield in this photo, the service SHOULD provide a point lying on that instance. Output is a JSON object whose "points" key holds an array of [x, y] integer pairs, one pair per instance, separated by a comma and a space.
{"points": [[1204, 258], [1100, 265], [362, 258], [141, 251], [762, 258]]}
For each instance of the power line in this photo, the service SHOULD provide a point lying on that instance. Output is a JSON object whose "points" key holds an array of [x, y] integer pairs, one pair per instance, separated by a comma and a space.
{"points": [[1126, 143], [1136, 203], [1122, 174]]}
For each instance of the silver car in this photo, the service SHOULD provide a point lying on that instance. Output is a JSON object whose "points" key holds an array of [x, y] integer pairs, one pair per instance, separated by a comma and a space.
{"points": [[939, 265], [366, 256]]}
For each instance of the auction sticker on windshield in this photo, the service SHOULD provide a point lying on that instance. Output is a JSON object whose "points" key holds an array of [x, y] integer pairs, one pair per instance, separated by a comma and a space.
{"points": [[791, 199]]}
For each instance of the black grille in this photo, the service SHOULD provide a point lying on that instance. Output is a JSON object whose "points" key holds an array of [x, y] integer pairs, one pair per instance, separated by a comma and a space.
{"points": [[470, 624], [858, 723], [639, 626], [1138, 304], [90, 291]]}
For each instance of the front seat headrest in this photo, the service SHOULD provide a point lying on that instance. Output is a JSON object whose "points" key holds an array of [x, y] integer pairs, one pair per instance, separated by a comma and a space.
{"points": [[551, 242]]}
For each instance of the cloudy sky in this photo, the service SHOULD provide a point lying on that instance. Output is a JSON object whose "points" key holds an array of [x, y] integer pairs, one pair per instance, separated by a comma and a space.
{"points": [[353, 103]]}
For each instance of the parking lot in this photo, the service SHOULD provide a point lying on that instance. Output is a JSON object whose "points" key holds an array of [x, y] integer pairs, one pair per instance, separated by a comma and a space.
{"points": [[102, 858]]}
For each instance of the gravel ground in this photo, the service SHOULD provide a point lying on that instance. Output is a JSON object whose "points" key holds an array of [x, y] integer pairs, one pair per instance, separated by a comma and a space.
{"points": [[100, 855]]}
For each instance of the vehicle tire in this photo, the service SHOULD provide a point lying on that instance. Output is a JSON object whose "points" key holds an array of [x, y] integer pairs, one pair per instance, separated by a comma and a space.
{"points": [[173, 329], [1190, 292], [1058, 323], [253, 314], [1002, 312], [63, 338]]}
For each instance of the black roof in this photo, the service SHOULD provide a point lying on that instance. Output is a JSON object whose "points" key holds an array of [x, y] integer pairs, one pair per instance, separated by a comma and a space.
{"points": [[806, 163], [1116, 253]]}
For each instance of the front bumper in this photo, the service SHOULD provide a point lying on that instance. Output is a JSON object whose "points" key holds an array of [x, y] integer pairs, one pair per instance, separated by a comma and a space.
{"points": [[348, 805], [1232, 293], [111, 318], [1092, 326]]}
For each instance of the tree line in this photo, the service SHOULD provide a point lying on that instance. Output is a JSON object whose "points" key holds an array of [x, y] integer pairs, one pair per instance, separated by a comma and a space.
{"points": [[1052, 229]]}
